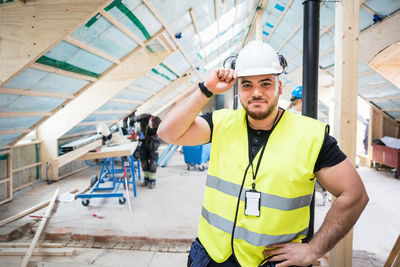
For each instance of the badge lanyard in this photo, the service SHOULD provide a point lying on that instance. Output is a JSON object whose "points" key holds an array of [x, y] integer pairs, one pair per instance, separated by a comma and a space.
{"points": [[253, 186]]}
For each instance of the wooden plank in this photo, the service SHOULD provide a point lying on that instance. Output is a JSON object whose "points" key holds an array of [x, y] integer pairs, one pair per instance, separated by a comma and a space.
{"points": [[141, 90], [27, 167], [111, 152], [15, 91], [380, 85], [24, 213], [156, 79], [174, 100], [95, 122], [247, 24], [25, 114], [62, 72], [196, 28], [128, 101], [42, 225], [298, 27], [383, 98], [287, 7], [29, 31], [75, 154], [27, 143], [38, 252], [26, 245], [91, 49], [111, 111], [125, 30], [395, 252], [14, 131], [77, 134], [171, 34], [387, 63], [346, 92], [72, 173], [5, 180]]}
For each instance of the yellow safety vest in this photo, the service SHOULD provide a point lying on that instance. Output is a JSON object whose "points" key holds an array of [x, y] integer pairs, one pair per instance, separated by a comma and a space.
{"points": [[285, 180]]}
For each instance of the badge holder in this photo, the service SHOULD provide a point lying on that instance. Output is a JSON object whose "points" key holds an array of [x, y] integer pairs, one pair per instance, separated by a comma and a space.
{"points": [[252, 203]]}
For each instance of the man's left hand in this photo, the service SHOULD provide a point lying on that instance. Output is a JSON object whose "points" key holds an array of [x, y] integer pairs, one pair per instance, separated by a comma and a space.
{"points": [[291, 254]]}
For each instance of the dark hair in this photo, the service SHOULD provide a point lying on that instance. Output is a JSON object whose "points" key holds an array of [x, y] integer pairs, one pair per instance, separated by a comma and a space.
{"points": [[155, 121], [230, 62]]}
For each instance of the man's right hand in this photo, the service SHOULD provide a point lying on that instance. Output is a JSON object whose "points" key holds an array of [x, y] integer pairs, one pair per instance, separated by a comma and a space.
{"points": [[221, 80]]}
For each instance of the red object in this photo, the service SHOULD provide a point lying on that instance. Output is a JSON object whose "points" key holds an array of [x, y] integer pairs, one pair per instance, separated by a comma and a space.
{"points": [[36, 216], [386, 155], [98, 216]]}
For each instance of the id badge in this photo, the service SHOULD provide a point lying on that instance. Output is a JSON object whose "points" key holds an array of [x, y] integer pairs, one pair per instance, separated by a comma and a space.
{"points": [[252, 203]]}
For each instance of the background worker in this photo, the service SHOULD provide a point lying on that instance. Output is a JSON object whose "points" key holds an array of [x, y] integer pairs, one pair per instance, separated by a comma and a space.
{"points": [[296, 101], [148, 148], [262, 170]]}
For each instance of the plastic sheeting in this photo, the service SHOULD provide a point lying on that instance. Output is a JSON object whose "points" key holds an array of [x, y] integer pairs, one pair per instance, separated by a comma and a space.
{"points": [[80, 129], [147, 84], [105, 37], [178, 62], [103, 117], [133, 95], [384, 8], [379, 92], [8, 138], [117, 106], [68, 53], [371, 80], [387, 104], [12, 123], [33, 103]]}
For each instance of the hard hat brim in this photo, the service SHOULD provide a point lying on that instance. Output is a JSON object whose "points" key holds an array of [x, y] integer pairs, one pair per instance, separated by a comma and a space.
{"points": [[258, 71]]}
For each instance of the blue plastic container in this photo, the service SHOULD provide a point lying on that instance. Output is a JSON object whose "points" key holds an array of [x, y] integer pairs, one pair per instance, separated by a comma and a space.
{"points": [[196, 154]]}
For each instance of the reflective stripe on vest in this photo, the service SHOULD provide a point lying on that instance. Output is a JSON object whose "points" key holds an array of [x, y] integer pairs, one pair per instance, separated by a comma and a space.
{"points": [[241, 233], [284, 181], [267, 200]]}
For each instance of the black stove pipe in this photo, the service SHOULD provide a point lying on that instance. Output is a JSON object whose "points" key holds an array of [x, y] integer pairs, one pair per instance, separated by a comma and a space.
{"points": [[311, 17]]}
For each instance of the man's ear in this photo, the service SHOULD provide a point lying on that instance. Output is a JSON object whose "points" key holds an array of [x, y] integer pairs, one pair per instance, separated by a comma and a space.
{"points": [[280, 87]]}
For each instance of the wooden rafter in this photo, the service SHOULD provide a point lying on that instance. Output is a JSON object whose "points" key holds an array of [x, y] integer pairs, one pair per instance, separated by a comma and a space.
{"points": [[196, 28], [121, 27], [102, 112], [279, 20], [62, 72], [234, 22], [216, 8], [171, 34], [15, 91], [376, 86], [298, 27], [91, 49], [156, 79], [141, 90], [88, 123], [127, 101], [25, 114], [14, 131]]}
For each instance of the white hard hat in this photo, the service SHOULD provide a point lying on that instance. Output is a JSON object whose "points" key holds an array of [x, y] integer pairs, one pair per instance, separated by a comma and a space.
{"points": [[257, 58]]}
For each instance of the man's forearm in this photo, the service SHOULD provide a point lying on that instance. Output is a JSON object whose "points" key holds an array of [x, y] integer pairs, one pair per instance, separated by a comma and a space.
{"points": [[340, 219], [181, 116]]}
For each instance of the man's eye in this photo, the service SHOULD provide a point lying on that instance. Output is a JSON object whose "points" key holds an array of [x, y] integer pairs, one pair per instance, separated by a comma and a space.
{"points": [[246, 85], [266, 84]]}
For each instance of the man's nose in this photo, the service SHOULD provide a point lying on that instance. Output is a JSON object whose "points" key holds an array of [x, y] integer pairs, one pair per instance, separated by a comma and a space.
{"points": [[257, 92]]}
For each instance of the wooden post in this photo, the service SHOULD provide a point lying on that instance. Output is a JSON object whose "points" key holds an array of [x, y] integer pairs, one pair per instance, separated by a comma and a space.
{"points": [[346, 91]]}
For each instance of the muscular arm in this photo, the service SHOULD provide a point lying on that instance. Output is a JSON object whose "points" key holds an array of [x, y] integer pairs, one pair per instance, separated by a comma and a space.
{"points": [[342, 181], [181, 126]]}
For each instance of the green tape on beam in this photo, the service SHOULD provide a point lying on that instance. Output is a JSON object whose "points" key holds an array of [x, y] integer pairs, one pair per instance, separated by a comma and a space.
{"points": [[3, 157], [149, 49], [37, 160], [65, 66], [92, 20], [168, 69], [200, 56], [161, 74], [118, 4]]}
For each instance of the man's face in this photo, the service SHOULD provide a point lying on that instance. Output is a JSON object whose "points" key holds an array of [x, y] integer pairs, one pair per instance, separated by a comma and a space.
{"points": [[259, 94]]}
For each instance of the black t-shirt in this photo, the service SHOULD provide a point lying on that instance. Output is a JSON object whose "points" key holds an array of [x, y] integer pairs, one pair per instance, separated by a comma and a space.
{"points": [[330, 153]]}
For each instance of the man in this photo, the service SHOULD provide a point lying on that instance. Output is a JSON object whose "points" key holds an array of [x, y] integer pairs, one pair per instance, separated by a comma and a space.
{"points": [[296, 101], [149, 143], [262, 170]]}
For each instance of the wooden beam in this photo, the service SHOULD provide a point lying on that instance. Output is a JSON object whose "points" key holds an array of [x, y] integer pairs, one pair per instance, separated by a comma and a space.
{"points": [[171, 34], [38, 252], [27, 167], [246, 24], [102, 112], [27, 143], [279, 20], [95, 122], [42, 225], [391, 109], [168, 42], [171, 68], [218, 31], [77, 134], [14, 131], [156, 79], [29, 31], [383, 98], [62, 72], [379, 85], [196, 28], [26, 245], [25, 114], [141, 90], [91, 49], [234, 22], [15, 91], [368, 9], [121, 27], [128, 101], [394, 253], [387, 63], [175, 99], [327, 52], [298, 27], [346, 91]]}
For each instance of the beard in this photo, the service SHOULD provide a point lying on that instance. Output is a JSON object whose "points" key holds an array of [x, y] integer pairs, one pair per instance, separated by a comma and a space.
{"points": [[261, 115]]}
